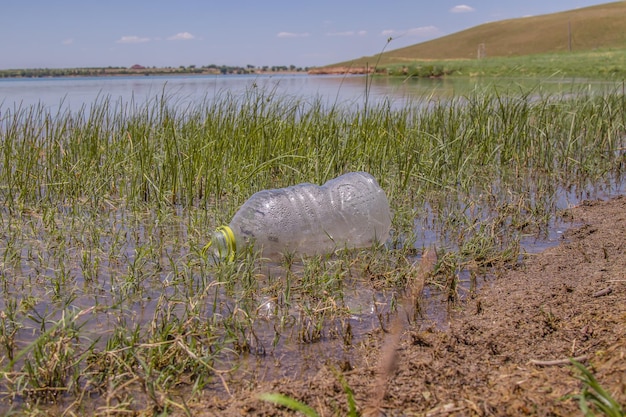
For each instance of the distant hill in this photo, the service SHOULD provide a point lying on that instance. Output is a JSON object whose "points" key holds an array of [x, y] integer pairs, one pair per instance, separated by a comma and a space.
{"points": [[602, 26]]}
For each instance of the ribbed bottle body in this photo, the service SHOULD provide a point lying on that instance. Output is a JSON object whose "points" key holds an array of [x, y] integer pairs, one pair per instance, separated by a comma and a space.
{"points": [[350, 211]]}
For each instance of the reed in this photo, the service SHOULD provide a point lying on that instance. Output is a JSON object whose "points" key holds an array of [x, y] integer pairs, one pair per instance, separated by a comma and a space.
{"points": [[105, 212]]}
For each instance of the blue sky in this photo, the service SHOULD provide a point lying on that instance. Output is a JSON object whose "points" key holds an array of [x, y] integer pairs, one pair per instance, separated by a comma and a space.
{"points": [[100, 33]]}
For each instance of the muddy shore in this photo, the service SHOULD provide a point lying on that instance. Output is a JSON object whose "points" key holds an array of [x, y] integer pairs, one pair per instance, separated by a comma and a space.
{"points": [[505, 351]]}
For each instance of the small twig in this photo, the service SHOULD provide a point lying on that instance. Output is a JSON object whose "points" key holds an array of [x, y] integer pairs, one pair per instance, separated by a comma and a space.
{"points": [[606, 291], [557, 362]]}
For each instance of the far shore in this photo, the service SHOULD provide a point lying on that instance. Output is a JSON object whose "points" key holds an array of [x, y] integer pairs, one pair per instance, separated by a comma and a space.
{"points": [[145, 71]]}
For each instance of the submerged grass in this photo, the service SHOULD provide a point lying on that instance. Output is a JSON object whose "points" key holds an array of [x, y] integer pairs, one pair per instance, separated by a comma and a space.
{"points": [[107, 302]]}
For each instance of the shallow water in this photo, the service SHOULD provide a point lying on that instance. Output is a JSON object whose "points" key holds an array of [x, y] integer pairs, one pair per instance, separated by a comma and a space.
{"points": [[144, 271]]}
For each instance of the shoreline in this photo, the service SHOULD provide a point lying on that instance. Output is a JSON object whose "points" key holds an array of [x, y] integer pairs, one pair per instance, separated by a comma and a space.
{"points": [[129, 72]]}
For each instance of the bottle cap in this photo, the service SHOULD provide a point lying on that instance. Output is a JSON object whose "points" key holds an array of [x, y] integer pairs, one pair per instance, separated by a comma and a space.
{"points": [[224, 242]]}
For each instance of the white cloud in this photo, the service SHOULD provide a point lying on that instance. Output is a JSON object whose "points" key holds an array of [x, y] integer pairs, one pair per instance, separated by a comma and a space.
{"points": [[132, 39], [422, 31], [181, 36], [462, 8], [292, 35], [68, 41], [348, 33]]}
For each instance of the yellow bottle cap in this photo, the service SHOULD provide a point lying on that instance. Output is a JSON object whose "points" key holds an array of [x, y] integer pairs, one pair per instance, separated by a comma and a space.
{"points": [[227, 238]]}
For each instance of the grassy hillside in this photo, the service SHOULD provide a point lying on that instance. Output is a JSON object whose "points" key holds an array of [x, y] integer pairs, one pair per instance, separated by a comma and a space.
{"points": [[576, 30]]}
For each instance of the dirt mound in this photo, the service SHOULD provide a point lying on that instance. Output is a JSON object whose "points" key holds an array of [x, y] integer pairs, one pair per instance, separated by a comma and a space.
{"points": [[505, 352]]}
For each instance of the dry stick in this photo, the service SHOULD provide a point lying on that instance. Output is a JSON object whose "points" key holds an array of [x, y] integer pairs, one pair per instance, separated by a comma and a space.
{"points": [[557, 362], [605, 291], [387, 364]]}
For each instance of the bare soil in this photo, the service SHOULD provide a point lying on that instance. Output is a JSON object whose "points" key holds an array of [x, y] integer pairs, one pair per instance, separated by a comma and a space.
{"points": [[504, 352]]}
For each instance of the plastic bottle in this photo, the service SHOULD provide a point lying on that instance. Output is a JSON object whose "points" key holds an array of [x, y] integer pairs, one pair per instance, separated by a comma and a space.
{"points": [[350, 211]]}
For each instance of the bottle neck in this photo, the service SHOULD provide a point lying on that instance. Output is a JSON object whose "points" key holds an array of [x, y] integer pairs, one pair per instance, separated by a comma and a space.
{"points": [[224, 243]]}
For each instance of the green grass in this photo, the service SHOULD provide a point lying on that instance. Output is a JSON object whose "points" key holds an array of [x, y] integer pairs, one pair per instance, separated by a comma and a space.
{"points": [[300, 407], [600, 64], [107, 301], [593, 397]]}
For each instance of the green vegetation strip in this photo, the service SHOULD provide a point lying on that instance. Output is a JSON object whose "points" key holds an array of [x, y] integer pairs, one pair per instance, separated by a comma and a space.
{"points": [[107, 302], [597, 64]]}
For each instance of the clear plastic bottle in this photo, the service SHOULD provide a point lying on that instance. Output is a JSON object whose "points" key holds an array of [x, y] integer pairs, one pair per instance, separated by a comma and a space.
{"points": [[350, 211]]}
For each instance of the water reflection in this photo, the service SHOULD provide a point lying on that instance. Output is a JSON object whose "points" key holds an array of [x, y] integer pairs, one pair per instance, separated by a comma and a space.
{"points": [[356, 90]]}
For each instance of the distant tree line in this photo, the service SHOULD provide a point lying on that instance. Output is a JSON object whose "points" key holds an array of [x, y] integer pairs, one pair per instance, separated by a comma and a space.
{"points": [[141, 70]]}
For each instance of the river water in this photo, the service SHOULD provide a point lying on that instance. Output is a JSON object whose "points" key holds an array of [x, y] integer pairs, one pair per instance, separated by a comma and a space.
{"points": [[76, 92], [354, 90]]}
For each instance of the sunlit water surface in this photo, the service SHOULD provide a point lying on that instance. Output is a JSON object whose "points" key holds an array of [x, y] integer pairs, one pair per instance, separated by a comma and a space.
{"points": [[74, 93]]}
